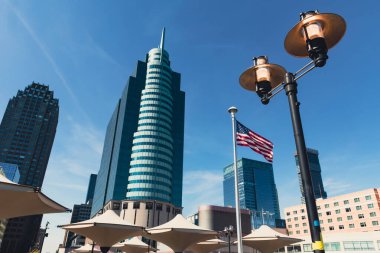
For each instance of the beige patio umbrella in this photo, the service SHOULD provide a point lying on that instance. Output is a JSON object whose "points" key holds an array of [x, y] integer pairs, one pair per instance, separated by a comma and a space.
{"points": [[105, 229], [179, 233], [268, 240], [22, 200], [133, 245], [87, 248], [207, 246]]}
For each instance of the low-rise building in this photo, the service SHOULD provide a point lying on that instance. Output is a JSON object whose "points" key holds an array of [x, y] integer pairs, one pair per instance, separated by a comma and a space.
{"points": [[353, 212]]}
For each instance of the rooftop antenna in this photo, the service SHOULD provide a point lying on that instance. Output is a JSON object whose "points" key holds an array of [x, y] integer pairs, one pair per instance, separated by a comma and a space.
{"points": [[162, 43]]}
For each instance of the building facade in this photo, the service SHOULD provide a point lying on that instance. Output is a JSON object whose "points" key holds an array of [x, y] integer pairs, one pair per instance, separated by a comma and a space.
{"points": [[143, 149], [354, 212], [257, 190], [315, 173], [358, 242], [91, 189], [27, 133]]}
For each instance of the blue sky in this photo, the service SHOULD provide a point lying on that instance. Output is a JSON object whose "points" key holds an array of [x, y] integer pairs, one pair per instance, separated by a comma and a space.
{"points": [[85, 50]]}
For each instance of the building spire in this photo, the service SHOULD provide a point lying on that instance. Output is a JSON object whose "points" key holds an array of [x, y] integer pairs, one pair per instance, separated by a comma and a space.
{"points": [[162, 39]]}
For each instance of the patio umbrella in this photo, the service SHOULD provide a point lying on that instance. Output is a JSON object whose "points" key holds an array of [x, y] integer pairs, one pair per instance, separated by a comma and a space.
{"points": [[87, 249], [105, 229], [179, 233], [133, 245], [207, 246], [268, 240], [22, 200]]}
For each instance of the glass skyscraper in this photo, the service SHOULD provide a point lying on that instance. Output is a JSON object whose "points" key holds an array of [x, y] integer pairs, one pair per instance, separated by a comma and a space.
{"points": [[10, 171], [143, 149], [257, 190], [91, 189], [27, 133], [316, 175]]}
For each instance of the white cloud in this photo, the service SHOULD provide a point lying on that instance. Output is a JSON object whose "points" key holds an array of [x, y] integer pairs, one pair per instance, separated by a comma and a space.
{"points": [[201, 187], [335, 187]]}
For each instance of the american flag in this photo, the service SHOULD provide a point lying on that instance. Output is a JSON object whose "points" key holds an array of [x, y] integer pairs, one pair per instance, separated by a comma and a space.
{"points": [[246, 137]]}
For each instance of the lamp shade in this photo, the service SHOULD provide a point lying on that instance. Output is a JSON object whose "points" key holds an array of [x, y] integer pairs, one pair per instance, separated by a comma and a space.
{"points": [[331, 25], [275, 74]]}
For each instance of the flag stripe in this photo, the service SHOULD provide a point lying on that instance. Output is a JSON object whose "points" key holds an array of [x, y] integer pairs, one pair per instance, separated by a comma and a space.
{"points": [[259, 144]]}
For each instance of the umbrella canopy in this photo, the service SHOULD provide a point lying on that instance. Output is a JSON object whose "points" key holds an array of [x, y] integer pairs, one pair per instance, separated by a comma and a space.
{"points": [[207, 246], [133, 245], [179, 233], [268, 240], [22, 200], [105, 229], [87, 249]]}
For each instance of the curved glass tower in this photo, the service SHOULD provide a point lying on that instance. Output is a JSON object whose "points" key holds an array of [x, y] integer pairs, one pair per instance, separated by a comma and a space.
{"points": [[151, 172]]}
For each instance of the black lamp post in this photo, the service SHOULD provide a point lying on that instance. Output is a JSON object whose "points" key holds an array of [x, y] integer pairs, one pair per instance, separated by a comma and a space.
{"points": [[311, 37], [228, 231]]}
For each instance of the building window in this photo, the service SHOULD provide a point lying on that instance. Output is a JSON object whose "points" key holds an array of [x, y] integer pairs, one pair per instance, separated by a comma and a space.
{"points": [[295, 218], [297, 225], [341, 226], [125, 205], [375, 223], [290, 232], [136, 205], [358, 245], [308, 248], [322, 229], [346, 202], [289, 220], [370, 205], [294, 212], [302, 210], [356, 199], [336, 203], [294, 248], [320, 214], [349, 217], [348, 210], [358, 207], [289, 226], [372, 214], [339, 219], [303, 217], [318, 207], [149, 205], [368, 197], [351, 225], [328, 213], [298, 232], [305, 231], [115, 206], [361, 216], [337, 211], [168, 209], [329, 220], [363, 224], [321, 222], [287, 213], [332, 246], [327, 205], [158, 206], [331, 228]]}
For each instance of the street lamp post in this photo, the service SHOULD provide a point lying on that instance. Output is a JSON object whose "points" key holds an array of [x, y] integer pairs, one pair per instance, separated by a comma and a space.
{"points": [[228, 231], [311, 37]]}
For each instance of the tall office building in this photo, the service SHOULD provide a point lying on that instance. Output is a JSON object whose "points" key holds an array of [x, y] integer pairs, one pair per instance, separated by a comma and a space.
{"points": [[143, 149], [257, 190], [27, 133], [10, 171], [315, 172]]}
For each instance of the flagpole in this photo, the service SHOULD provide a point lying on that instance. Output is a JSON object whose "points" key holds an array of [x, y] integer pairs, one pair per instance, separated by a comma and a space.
{"points": [[232, 110]]}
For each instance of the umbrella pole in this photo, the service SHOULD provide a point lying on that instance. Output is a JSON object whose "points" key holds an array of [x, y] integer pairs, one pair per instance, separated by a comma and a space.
{"points": [[93, 246]]}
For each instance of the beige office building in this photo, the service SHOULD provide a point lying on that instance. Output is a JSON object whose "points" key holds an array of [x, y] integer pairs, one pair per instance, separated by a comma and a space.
{"points": [[353, 212]]}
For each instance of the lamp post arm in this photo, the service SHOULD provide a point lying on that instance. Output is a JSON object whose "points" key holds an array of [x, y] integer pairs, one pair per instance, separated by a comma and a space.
{"points": [[297, 75]]}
